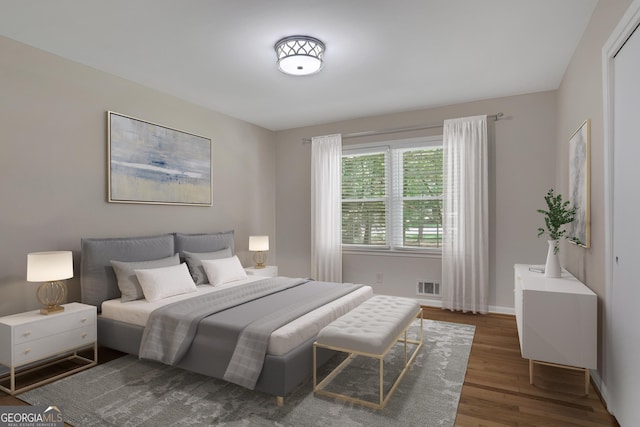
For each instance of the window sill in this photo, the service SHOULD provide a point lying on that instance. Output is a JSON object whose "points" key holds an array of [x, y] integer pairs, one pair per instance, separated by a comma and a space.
{"points": [[393, 252]]}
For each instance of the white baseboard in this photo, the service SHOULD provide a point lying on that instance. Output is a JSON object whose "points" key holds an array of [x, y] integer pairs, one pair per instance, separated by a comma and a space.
{"points": [[430, 302], [492, 308], [502, 310], [600, 385]]}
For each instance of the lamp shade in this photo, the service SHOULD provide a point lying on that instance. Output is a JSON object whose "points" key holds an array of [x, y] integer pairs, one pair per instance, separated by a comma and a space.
{"points": [[258, 243], [49, 266]]}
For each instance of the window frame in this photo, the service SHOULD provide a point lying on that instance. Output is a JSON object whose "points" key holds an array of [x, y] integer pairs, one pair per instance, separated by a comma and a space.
{"points": [[392, 148]]}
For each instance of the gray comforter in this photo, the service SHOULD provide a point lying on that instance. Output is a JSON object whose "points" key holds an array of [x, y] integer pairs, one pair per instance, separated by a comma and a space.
{"points": [[171, 329]]}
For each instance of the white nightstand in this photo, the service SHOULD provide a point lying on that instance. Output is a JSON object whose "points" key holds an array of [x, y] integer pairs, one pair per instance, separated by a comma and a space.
{"points": [[267, 271], [30, 341]]}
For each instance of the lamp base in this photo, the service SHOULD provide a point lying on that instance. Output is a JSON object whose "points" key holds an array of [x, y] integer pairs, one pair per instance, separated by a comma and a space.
{"points": [[52, 310], [259, 258], [51, 295]]}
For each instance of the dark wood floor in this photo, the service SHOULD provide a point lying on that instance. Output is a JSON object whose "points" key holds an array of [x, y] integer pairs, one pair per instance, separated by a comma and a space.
{"points": [[496, 391]]}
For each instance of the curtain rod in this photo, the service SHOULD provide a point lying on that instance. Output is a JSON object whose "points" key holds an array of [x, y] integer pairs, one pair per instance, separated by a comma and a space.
{"points": [[495, 118]]}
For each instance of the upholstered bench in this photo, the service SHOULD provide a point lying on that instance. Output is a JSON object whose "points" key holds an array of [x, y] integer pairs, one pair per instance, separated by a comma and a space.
{"points": [[371, 330]]}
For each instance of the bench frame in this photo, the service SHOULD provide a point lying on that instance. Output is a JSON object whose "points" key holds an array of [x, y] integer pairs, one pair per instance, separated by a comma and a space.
{"points": [[401, 338]]}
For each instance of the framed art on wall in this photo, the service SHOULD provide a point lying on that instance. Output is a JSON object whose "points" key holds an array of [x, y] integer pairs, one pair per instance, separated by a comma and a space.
{"points": [[150, 163], [579, 184]]}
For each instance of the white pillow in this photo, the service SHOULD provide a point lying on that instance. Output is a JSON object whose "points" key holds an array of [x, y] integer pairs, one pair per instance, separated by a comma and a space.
{"points": [[223, 270], [159, 283], [194, 262], [128, 283]]}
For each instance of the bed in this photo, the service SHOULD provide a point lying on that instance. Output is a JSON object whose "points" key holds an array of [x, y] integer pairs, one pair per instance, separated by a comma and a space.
{"points": [[122, 320]]}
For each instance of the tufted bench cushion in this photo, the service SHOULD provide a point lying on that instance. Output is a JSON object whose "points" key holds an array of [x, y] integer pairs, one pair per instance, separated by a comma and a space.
{"points": [[372, 326], [370, 330]]}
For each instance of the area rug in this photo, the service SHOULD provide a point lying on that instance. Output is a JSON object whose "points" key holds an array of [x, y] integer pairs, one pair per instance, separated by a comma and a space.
{"points": [[132, 392]]}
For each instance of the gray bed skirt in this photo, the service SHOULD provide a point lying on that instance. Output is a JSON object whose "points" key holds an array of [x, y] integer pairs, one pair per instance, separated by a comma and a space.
{"points": [[280, 374]]}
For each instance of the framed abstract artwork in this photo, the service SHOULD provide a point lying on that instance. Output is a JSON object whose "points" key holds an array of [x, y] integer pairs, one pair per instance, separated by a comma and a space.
{"points": [[150, 163], [579, 231]]}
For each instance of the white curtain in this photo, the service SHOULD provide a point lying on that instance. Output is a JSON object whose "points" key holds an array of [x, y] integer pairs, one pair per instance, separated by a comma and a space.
{"points": [[465, 246], [326, 208]]}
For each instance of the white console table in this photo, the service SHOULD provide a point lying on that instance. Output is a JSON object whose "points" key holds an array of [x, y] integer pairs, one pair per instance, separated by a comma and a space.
{"points": [[557, 321]]}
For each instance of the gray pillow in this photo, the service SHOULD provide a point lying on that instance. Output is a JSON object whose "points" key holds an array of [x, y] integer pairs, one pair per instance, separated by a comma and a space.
{"points": [[128, 283], [204, 242], [194, 261]]}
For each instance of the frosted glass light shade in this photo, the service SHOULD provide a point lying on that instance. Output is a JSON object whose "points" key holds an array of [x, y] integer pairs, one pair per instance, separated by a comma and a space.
{"points": [[300, 55], [258, 243], [49, 266]]}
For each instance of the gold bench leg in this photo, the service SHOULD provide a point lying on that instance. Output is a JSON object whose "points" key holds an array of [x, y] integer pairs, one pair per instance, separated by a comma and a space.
{"points": [[381, 381]]}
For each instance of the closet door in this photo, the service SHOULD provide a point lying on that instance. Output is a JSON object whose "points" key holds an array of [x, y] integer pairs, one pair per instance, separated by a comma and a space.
{"points": [[624, 382]]}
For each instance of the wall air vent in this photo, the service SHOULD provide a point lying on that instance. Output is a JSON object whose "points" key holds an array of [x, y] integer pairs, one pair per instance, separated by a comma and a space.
{"points": [[428, 288]]}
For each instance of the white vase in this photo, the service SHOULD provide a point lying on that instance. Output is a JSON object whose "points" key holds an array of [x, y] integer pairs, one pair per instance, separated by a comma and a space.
{"points": [[552, 267]]}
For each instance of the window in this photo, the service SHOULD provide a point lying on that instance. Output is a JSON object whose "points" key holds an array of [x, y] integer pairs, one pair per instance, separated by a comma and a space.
{"points": [[392, 196], [364, 199]]}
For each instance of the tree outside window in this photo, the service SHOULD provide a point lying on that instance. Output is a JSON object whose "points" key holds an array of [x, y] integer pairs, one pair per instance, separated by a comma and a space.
{"points": [[392, 197]]}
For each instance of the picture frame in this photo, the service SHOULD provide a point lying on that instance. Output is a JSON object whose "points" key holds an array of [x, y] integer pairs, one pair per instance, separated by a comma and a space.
{"points": [[579, 231], [154, 164]]}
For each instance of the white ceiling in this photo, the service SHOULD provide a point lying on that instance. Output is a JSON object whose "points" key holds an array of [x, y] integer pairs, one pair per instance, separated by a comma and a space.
{"points": [[382, 56]]}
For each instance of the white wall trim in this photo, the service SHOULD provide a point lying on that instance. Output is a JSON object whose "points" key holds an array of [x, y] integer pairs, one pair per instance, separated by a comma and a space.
{"points": [[599, 384], [619, 36], [492, 308], [430, 302], [502, 310]]}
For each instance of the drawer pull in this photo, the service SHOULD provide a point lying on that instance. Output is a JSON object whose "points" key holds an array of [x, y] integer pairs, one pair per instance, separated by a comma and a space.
{"points": [[84, 335], [26, 333], [83, 320], [27, 350]]}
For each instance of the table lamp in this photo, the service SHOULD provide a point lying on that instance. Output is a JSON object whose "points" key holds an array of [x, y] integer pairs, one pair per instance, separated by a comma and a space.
{"points": [[50, 268], [259, 244]]}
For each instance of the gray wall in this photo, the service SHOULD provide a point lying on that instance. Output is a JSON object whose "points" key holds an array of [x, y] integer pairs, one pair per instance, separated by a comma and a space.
{"points": [[521, 168], [53, 167], [579, 98]]}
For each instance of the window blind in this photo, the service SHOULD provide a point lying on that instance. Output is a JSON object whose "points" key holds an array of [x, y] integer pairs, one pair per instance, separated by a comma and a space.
{"points": [[364, 198], [417, 198]]}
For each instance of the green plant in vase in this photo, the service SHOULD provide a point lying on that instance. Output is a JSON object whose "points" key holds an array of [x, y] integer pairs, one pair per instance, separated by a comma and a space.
{"points": [[558, 214]]}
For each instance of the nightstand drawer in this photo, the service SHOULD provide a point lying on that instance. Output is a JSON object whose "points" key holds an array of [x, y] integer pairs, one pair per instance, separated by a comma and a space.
{"points": [[54, 344], [52, 324]]}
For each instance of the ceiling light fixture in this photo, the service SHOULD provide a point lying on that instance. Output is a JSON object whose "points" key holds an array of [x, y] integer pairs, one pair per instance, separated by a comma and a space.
{"points": [[299, 55]]}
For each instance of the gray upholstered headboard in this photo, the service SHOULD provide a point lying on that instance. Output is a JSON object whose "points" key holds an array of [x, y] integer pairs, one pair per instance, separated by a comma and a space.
{"points": [[97, 279]]}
